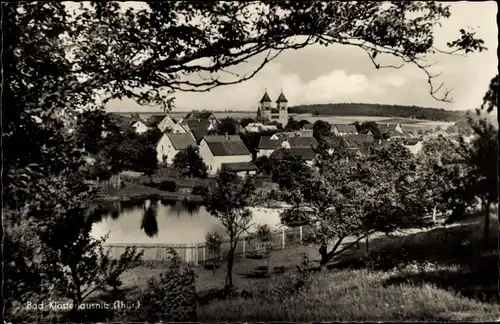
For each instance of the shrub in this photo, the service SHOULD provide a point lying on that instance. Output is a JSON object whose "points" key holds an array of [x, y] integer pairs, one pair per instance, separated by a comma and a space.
{"points": [[168, 186], [199, 190], [213, 243], [170, 297]]}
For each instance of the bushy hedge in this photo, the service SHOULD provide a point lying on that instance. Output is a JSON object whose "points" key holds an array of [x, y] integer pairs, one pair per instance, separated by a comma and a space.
{"points": [[171, 297], [168, 186]]}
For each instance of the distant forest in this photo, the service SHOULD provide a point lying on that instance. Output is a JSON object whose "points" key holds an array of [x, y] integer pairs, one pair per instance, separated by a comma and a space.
{"points": [[363, 109]]}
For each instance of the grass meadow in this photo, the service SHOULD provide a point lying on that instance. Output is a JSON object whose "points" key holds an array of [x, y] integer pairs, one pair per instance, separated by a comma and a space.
{"points": [[445, 274]]}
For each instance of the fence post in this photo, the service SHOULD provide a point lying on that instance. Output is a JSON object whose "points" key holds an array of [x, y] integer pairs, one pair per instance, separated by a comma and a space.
{"points": [[283, 238], [195, 252], [186, 253], [204, 255], [434, 215], [300, 231]]}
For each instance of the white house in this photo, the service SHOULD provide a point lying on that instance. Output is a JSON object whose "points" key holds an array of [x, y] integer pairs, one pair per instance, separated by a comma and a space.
{"points": [[413, 145], [170, 144], [254, 127], [140, 127], [217, 150]]}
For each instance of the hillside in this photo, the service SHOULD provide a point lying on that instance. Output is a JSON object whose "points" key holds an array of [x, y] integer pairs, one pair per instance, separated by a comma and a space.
{"points": [[363, 109]]}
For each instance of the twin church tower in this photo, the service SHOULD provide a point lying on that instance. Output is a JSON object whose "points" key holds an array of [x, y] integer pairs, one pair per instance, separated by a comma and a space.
{"points": [[279, 114]]}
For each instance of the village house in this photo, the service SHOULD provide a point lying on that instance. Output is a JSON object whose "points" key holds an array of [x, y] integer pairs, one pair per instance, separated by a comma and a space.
{"points": [[167, 124], [414, 145], [228, 150], [344, 129], [305, 153], [259, 127], [189, 124], [170, 144], [269, 144], [202, 116], [139, 126]]}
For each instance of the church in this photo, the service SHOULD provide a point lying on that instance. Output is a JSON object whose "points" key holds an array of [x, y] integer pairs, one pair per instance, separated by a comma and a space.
{"points": [[268, 113]]}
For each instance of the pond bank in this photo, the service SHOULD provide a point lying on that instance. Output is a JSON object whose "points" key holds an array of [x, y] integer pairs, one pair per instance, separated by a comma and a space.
{"points": [[137, 192]]}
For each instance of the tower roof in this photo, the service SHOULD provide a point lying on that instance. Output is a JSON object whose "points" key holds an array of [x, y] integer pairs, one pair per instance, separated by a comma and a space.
{"points": [[265, 98], [281, 98]]}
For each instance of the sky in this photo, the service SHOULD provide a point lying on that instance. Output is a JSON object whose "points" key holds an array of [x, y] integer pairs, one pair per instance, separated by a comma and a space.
{"points": [[339, 74]]}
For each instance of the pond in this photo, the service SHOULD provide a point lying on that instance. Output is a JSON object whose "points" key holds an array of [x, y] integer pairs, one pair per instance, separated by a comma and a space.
{"points": [[166, 222]]}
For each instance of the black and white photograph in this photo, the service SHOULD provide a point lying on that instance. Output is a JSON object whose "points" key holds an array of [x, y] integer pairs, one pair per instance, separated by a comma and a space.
{"points": [[249, 161]]}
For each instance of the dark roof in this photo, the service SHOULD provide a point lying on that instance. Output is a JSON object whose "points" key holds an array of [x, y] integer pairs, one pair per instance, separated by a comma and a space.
{"points": [[304, 152], [346, 128], [265, 98], [302, 141], [155, 120], [181, 141], [222, 145], [196, 123], [240, 166], [266, 143], [275, 111], [358, 140], [199, 115], [199, 133], [412, 141], [281, 98]]}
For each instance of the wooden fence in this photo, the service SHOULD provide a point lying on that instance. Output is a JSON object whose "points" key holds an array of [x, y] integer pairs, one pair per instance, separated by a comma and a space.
{"points": [[199, 254]]}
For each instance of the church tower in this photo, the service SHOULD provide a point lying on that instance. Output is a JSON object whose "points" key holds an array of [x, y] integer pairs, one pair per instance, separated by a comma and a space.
{"points": [[282, 105], [264, 110]]}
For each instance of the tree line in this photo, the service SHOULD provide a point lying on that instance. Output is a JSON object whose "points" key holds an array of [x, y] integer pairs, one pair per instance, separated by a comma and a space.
{"points": [[379, 110]]}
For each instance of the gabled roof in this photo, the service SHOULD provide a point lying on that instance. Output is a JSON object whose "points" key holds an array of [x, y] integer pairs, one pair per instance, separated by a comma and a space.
{"points": [[346, 128], [222, 145], [181, 141], [195, 123], [240, 166], [155, 120], [265, 98], [358, 140], [199, 133], [305, 153], [302, 141], [266, 143], [281, 98]]}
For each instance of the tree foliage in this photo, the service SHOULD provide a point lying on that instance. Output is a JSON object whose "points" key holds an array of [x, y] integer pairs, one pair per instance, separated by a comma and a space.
{"points": [[169, 297], [227, 126], [339, 199], [229, 200], [378, 110], [292, 125], [321, 130], [190, 163]]}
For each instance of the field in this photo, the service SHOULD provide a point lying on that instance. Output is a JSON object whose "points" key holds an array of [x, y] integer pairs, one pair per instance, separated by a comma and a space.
{"points": [[398, 278]]}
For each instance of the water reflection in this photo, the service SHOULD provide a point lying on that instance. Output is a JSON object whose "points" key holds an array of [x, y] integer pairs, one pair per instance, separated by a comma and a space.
{"points": [[171, 222], [149, 222]]}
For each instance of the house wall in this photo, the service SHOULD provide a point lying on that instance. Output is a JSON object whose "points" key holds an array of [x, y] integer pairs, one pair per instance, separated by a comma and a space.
{"points": [[140, 128], [267, 153], [206, 155], [165, 148], [217, 161], [245, 173], [167, 122], [414, 149]]}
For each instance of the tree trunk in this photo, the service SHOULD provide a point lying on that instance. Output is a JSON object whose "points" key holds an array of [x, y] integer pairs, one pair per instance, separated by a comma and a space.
{"points": [[323, 251], [230, 263], [486, 211], [214, 262]]}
